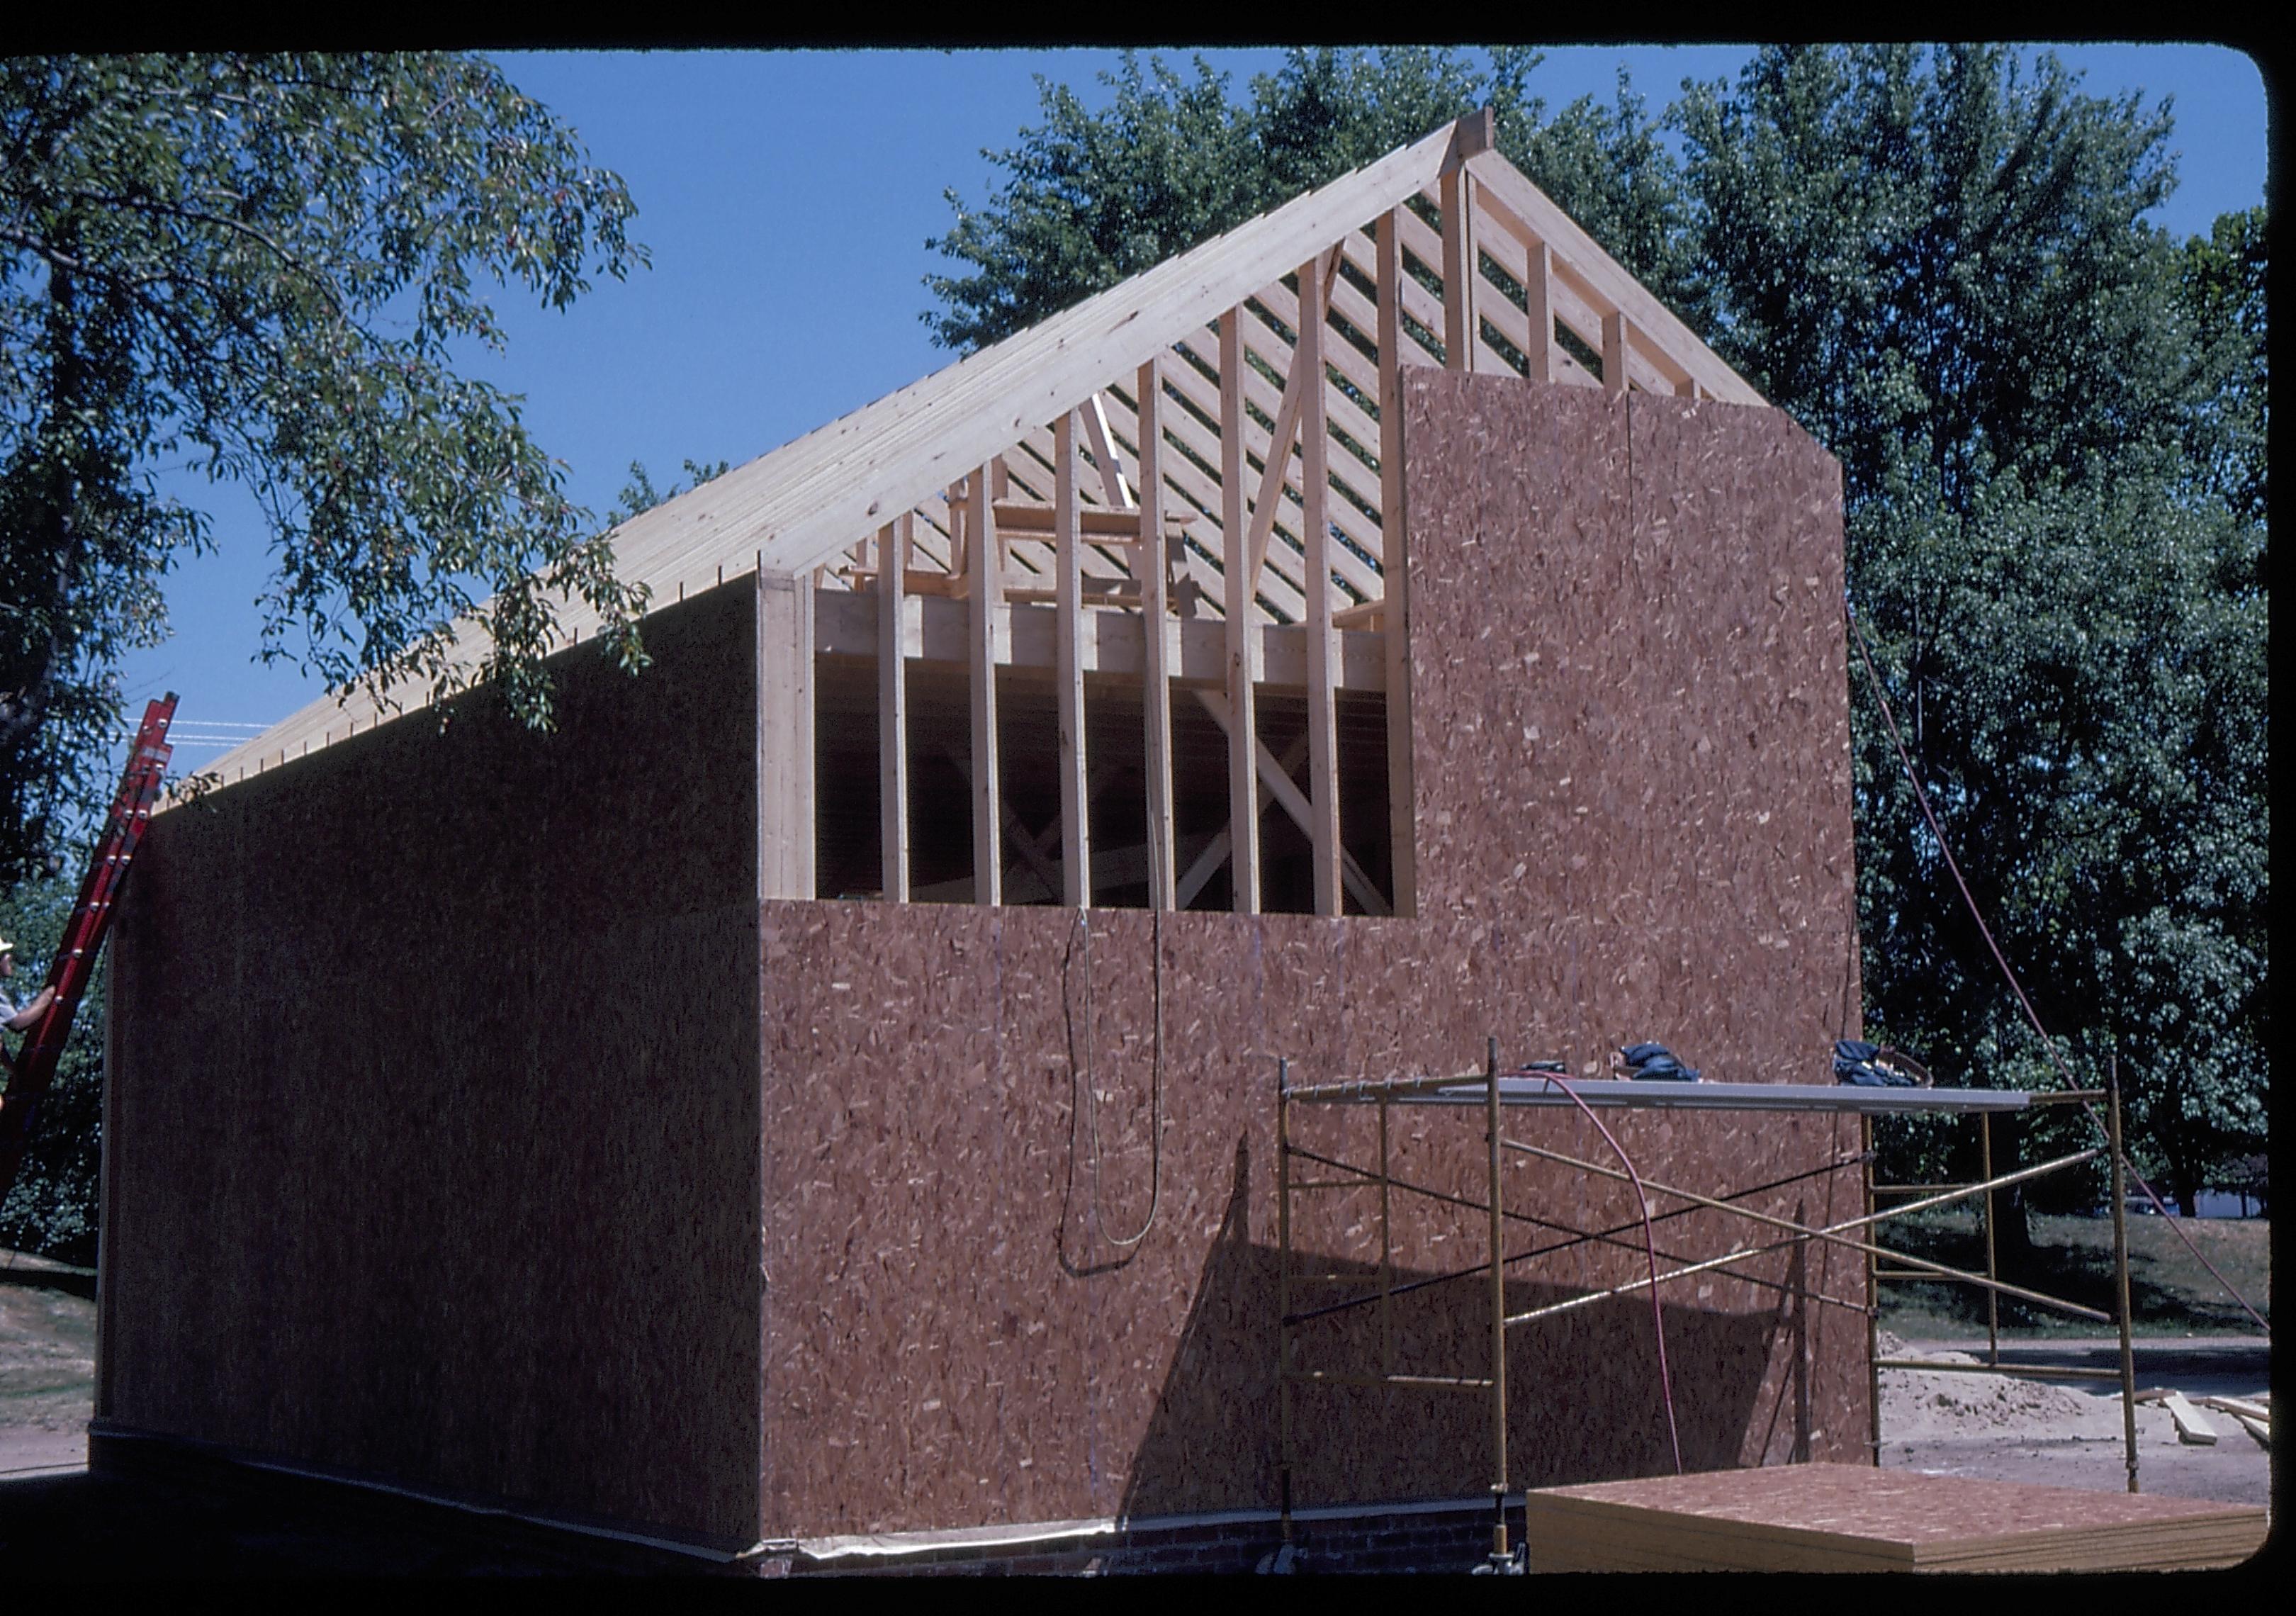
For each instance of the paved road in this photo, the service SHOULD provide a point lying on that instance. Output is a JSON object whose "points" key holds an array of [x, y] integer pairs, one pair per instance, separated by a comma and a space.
{"points": [[2224, 1365]]}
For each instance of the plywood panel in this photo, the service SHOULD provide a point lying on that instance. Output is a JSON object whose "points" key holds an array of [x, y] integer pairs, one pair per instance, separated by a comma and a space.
{"points": [[436, 1103], [1856, 1518], [955, 1334]]}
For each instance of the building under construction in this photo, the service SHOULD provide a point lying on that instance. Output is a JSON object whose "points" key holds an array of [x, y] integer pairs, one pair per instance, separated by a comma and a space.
{"points": [[829, 1085]]}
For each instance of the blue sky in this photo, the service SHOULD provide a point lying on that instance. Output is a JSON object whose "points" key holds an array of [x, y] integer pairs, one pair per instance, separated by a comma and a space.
{"points": [[787, 198]]}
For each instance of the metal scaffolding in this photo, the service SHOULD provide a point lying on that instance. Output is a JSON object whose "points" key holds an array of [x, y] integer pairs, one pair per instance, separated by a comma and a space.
{"points": [[1496, 1091]]}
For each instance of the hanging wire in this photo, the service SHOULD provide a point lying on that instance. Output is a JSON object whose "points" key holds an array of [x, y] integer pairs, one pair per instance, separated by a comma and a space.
{"points": [[2048, 1044], [1650, 1249], [1155, 1079]]}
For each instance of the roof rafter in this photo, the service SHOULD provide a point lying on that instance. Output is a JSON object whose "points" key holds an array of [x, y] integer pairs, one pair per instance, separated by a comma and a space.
{"points": [[812, 503]]}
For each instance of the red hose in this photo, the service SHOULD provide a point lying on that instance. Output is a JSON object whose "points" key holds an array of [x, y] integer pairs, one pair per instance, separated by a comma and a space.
{"points": [[1650, 1249]]}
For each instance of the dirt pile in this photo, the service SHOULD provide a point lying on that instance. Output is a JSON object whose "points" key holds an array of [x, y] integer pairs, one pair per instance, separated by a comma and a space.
{"points": [[1928, 1406]]}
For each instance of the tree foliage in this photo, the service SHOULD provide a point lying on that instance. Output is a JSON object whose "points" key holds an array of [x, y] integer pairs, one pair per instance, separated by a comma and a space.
{"points": [[2053, 484], [51, 1206], [264, 268], [2051, 425], [1091, 198]]}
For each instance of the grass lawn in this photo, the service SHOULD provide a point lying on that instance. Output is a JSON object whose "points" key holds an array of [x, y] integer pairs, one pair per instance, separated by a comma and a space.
{"points": [[2169, 1294]]}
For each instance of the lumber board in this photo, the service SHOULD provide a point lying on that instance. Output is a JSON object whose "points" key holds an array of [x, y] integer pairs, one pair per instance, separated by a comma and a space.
{"points": [[1508, 247], [1243, 661], [1529, 207], [1417, 303], [1458, 279], [786, 754], [2191, 1425], [1347, 472], [1302, 379], [1421, 306], [1277, 589], [1514, 324], [1076, 826], [983, 619], [1614, 353], [1570, 299], [1257, 391], [1357, 369], [1108, 534], [1859, 1518], [1156, 630], [963, 413], [2238, 1406], [1295, 803], [1221, 848], [799, 506], [1353, 366], [1018, 518], [893, 542], [1111, 643], [1402, 809], [1539, 346], [1323, 707]]}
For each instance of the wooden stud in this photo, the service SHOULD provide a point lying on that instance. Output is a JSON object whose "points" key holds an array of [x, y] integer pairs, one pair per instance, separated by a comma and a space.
{"points": [[1276, 471], [1075, 820], [1614, 353], [1114, 644], [1523, 208], [785, 759], [1222, 847], [1323, 707], [1294, 802], [1274, 468], [1395, 569], [1097, 525], [1156, 615], [1458, 276], [1538, 285], [1028, 851], [959, 562], [1242, 643], [886, 453], [894, 541], [1272, 581], [807, 500], [987, 578]]}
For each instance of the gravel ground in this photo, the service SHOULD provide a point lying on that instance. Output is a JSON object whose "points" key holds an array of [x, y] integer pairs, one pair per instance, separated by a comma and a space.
{"points": [[2001, 1428]]}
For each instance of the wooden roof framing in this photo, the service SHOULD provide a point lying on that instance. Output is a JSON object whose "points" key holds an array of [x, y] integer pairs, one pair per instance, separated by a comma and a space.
{"points": [[817, 504]]}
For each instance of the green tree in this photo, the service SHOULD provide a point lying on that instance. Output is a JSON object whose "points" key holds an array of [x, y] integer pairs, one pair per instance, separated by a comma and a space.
{"points": [[52, 1207], [1091, 198], [2051, 421], [639, 494], [2050, 424], [265, 267], [2223, 278]]}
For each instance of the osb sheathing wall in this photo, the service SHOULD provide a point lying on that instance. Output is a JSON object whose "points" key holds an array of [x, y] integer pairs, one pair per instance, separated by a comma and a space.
{"points": [[433, 1143], [1632, 760]]}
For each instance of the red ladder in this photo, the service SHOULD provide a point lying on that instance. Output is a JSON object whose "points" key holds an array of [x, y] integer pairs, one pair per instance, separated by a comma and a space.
{"points": [[68, 972]]}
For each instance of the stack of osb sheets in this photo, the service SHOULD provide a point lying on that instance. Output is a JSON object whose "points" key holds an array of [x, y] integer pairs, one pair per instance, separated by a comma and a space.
{"points": [[1855, 1518]]}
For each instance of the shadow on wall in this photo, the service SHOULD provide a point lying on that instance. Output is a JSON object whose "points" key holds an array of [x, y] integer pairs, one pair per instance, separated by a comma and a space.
{"points": [[1583, 1391]]}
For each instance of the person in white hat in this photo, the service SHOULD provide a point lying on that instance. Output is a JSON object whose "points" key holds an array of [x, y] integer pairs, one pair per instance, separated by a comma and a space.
{"points": [[12, 1017]]}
